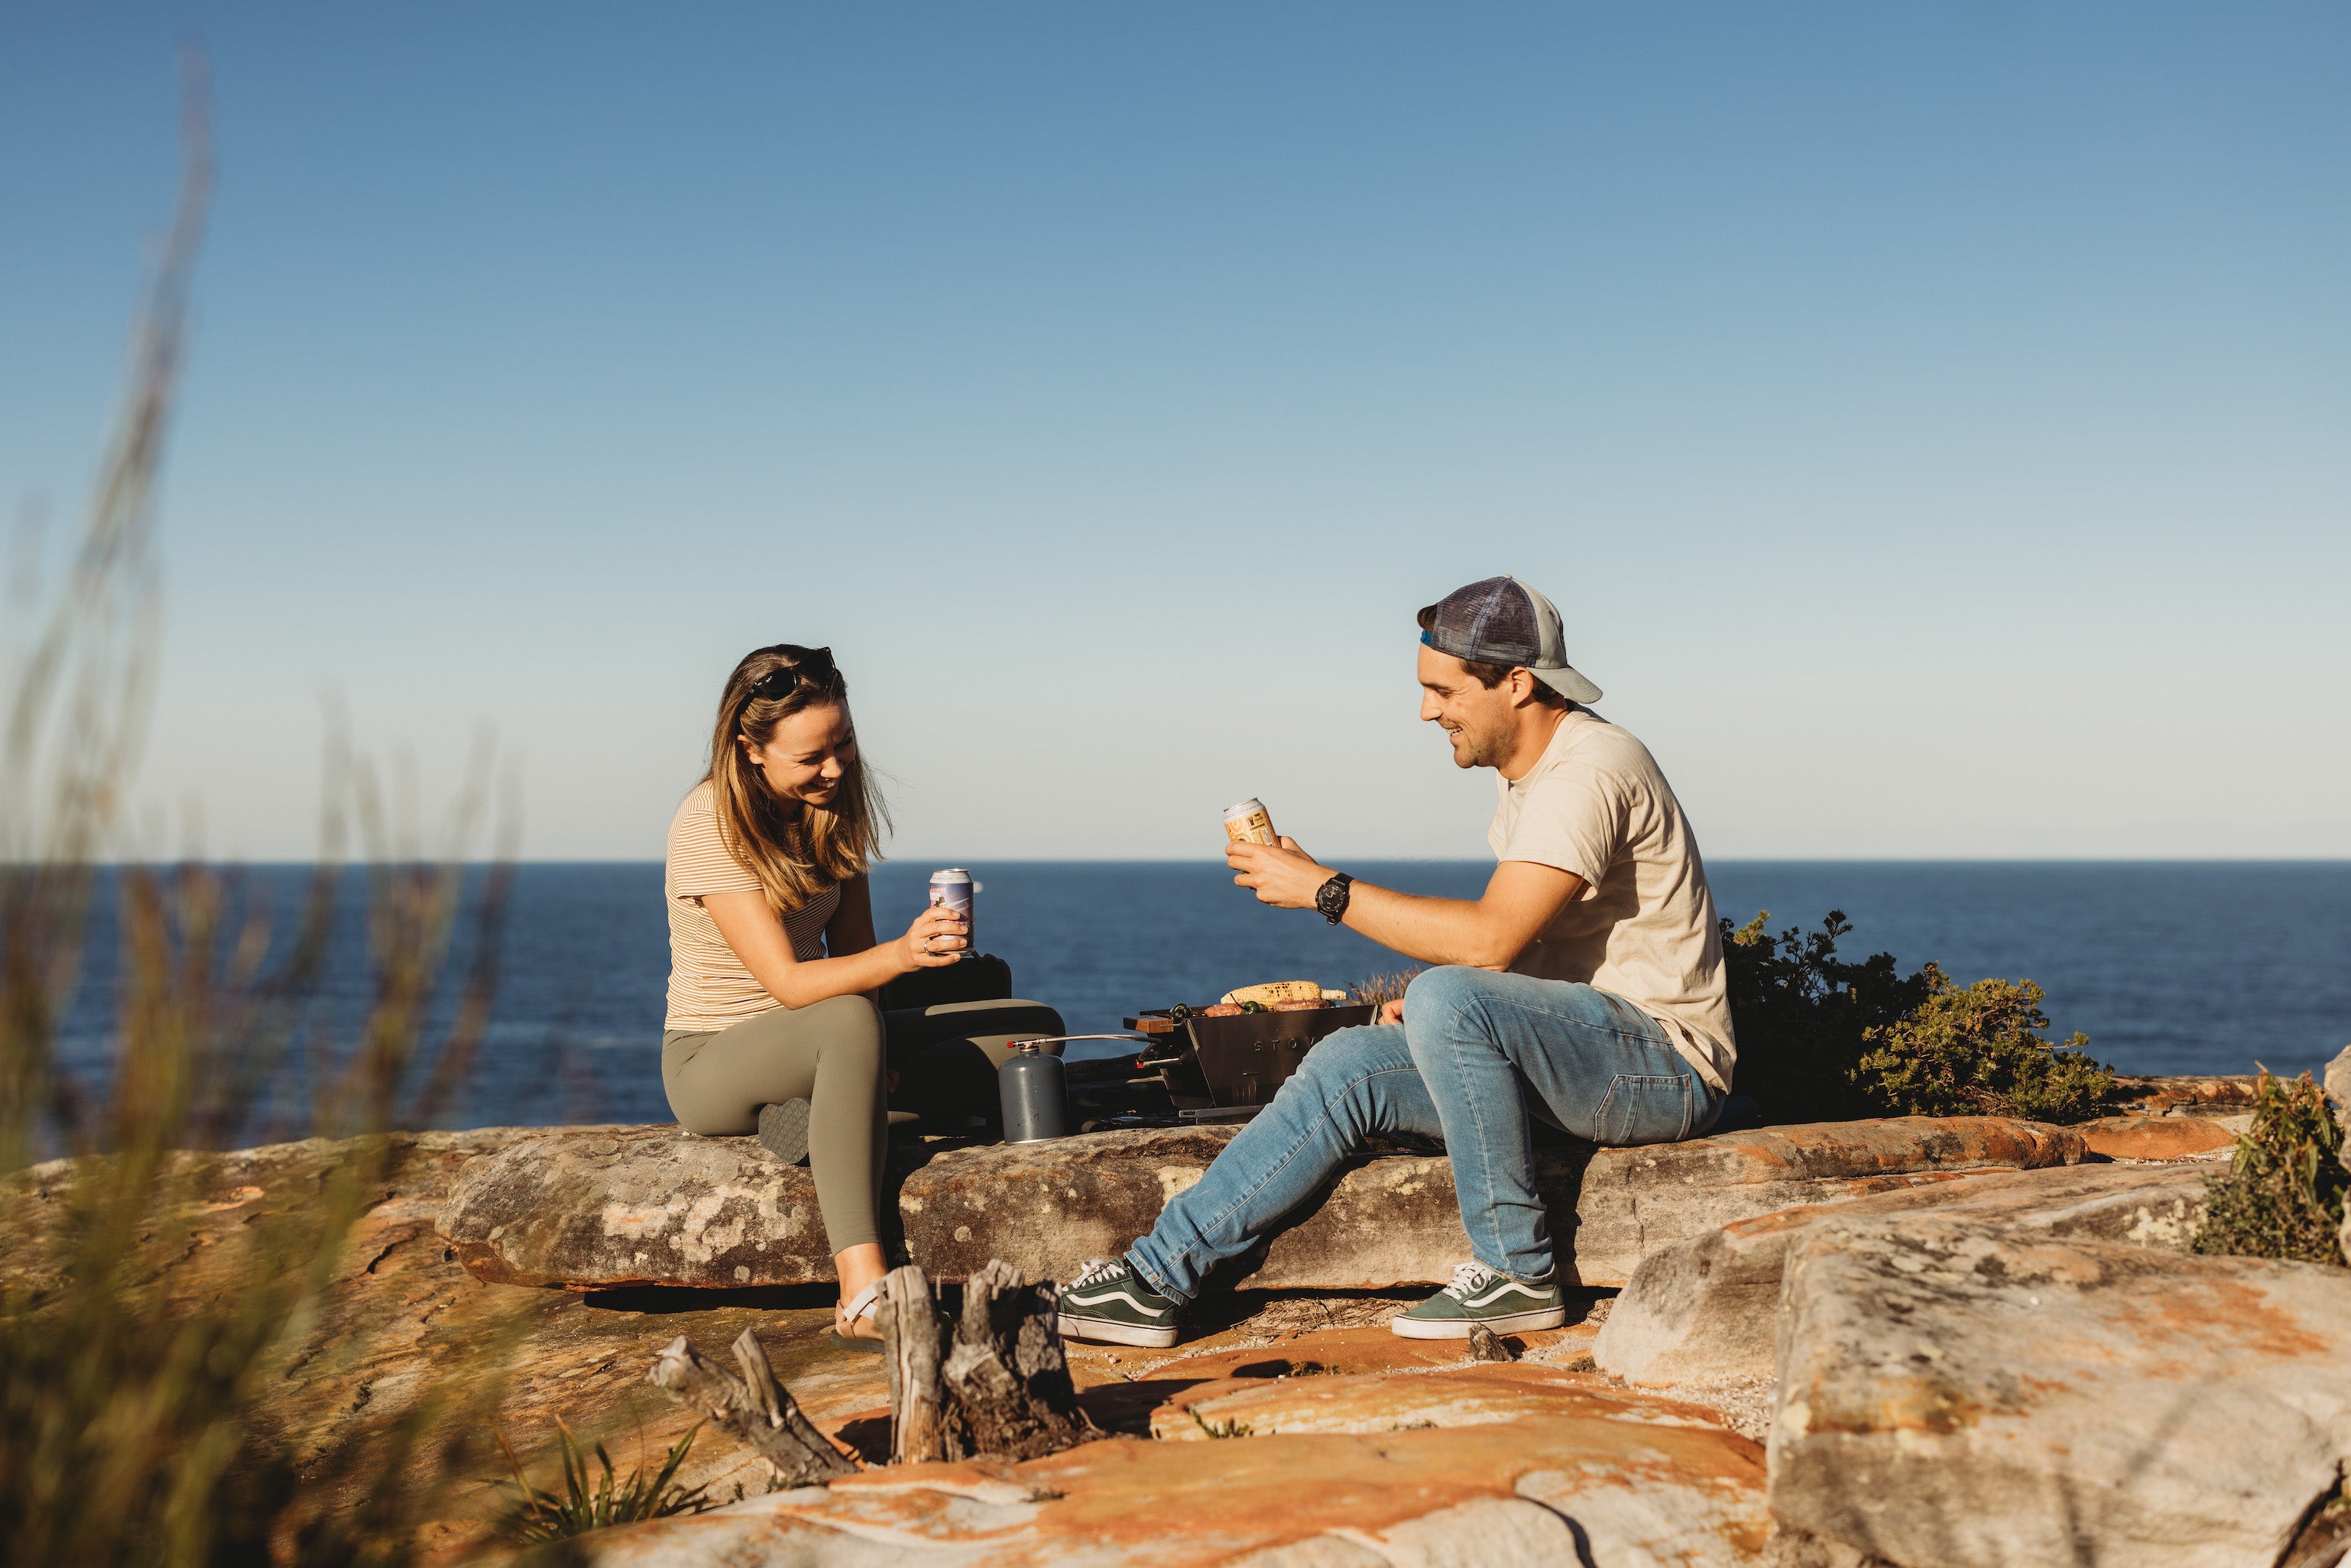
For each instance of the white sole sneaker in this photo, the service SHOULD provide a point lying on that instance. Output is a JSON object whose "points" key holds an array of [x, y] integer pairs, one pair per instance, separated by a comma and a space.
{"points": [[1102, 1332], [1459, 1328]]}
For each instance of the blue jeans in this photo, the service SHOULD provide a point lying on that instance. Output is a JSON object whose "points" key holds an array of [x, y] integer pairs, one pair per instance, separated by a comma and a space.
{"points": [[1477, 1054]]}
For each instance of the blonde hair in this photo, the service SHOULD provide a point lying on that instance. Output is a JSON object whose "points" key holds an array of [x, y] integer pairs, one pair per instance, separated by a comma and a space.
{"points": [[796, 849]]}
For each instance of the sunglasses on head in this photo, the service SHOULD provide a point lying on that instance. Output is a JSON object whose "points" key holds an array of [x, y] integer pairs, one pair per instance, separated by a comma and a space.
{"points": [[815, 667]]}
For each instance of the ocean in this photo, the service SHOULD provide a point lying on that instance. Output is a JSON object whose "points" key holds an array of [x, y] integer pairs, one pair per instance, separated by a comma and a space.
{"points": [[2169, 967]]}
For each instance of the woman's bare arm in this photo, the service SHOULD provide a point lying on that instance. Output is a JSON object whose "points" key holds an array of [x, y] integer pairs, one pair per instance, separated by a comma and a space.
{"points": [[851, 929], [757, 934]]}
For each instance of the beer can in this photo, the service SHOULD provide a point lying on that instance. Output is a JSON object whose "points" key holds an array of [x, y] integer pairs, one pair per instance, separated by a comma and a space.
{"points": [[1248, 824], [952, 889]]}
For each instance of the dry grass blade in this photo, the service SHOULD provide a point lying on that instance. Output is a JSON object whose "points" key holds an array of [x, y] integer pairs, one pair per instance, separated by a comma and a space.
{"points": [[533, 1516], [1373, 991], [129, 1425]]}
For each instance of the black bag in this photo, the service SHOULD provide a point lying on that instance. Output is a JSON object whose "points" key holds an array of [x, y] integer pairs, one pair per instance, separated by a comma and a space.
{"points": [[982, 978]]}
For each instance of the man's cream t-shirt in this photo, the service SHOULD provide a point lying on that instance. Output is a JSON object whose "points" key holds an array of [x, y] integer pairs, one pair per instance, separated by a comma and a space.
{"points": [[1644, 927]]}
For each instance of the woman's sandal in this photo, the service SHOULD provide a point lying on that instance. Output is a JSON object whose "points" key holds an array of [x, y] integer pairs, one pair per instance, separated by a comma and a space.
{"points": [[860, 1305]]}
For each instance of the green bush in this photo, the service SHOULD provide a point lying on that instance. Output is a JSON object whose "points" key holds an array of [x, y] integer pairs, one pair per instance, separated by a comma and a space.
{"points": [[1976, 1051], [2282, 1196], [1822, 1039], [1803, 1016]]}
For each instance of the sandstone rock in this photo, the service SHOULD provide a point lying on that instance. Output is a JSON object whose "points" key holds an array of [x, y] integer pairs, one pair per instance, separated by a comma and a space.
{"points": [[604, 1206], [402, 1330], [2206, 1095], [1478, 1395], [1393, 1220], [1708, 1309], [2159, 1137], [1542, 1490], [599, 1208], [1956, 1396], [1348, 1351]]}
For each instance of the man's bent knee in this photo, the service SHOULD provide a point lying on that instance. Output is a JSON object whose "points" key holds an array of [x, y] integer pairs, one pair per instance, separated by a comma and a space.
{"points": [[1438, 1000]]}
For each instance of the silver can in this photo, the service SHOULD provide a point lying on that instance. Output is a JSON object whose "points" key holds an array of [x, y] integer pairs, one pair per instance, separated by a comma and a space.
{"points": [[1248, 824], [952, 889]]}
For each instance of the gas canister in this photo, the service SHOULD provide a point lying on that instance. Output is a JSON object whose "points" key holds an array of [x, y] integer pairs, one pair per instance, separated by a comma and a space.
{"points": [[1035, 1093]]}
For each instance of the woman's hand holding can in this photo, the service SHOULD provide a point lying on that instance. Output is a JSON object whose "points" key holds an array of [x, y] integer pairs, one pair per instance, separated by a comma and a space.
{"points": [[937, 938]]}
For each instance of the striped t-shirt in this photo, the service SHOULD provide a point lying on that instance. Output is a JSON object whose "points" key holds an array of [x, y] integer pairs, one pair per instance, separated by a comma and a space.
{"points": [[709, 988]]}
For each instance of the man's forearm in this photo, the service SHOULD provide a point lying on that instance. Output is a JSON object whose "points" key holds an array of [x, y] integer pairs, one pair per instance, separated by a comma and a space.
{"points": [[1431, 930], [1487, 932]]}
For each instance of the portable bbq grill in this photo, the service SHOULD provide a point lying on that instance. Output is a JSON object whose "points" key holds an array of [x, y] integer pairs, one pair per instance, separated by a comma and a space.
{"points": [[1206, 1069]]}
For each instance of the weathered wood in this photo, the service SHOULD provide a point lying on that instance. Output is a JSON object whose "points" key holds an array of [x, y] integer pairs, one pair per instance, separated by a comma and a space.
{"points": [[1007, 1371], [924, 1421], [752, 1408], [778, 1406]]}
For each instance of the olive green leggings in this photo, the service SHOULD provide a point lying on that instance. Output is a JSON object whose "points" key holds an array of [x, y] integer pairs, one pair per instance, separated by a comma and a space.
{"points": [[832, 1054]]}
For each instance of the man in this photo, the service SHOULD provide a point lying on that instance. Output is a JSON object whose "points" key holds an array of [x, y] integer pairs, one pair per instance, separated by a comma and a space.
{"points": [[1585, 987]]}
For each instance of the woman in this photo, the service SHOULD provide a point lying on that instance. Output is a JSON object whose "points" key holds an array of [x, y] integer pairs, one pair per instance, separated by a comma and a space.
{"points": [[772, 1025]]}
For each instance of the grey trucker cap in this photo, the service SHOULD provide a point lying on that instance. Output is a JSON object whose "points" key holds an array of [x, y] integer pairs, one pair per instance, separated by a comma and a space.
{"points": [[1501, 621]]}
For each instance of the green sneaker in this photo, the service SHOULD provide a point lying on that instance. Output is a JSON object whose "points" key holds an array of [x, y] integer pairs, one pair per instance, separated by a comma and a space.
{"points": [[1479, 1295], [1110, 1303]]}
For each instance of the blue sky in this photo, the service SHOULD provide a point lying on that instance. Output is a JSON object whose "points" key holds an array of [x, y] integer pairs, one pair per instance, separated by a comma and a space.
{"points": [[1931, 420]]}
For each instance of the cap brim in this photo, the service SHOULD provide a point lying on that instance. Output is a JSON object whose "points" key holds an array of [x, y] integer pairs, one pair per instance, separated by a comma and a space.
{"points": [[1567, 683]]}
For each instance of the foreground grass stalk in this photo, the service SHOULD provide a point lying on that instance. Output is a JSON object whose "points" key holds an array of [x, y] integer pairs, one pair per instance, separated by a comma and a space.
{"points": [[132, 1381], [534, 1516]]}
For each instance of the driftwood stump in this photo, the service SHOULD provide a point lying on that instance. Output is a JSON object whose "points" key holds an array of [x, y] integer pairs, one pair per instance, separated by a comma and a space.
{"points": [[1006, 1370], [996, 1385], [753, 1407], [924, 1421]]}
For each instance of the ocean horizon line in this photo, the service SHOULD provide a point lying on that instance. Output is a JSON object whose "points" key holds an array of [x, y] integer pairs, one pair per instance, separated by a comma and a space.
{"points": [[900, 860]]}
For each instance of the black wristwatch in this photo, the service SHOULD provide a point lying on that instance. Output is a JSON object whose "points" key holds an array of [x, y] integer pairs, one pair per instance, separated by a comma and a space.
{"points": [[1330, 898]]}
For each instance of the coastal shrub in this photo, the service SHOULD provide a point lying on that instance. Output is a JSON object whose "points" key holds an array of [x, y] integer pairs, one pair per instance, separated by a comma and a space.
{"points": [[2283, 1196], [1825, 1038], [1803, 1016], [141, 1419], [1976, 1051], [533, 1516]]}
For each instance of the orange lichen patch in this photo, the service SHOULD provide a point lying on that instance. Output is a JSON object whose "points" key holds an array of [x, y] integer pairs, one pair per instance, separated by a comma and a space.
{"points": [[1373, 1348], [1635, 1491], [1778, 1222], [1475, 1395], [1892, 1145], [1122, 1387], [1916, 1405], [2215, 1320], [2154, 1138], [2049, 1264], [2154, 1095], [1262, 1493]]}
